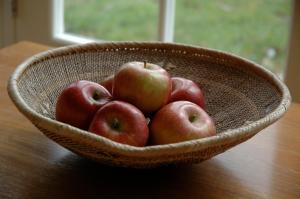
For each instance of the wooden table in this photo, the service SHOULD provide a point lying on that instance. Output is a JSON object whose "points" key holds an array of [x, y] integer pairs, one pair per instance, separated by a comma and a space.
{"points": [[32, 166]]}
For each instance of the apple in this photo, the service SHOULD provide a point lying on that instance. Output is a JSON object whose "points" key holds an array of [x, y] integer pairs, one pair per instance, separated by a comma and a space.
{"points": [[147, 86], [187, 90], [78, 103], [121, 122], [180, 121], [108, 83]]}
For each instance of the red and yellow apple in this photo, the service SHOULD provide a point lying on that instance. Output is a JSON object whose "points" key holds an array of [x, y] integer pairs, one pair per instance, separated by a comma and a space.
{"points": [[147, 86], [108, 83], [180, 121], [121, 122], [187, 90], [78, 103]]}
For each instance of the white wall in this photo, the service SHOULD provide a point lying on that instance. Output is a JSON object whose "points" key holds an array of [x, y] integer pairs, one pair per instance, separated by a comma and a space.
{"points": [[33, 22], [7, 21], [39, 30]]}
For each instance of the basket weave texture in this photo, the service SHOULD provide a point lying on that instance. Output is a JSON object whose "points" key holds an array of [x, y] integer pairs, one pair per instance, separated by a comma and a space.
{"points": [[241, 96]]}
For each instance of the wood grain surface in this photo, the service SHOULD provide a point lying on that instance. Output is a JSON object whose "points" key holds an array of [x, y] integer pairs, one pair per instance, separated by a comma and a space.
{"points": [[32, 166]]}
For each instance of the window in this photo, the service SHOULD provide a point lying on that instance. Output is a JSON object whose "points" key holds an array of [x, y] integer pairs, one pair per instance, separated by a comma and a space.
{"points": [[112, 20], [80, 21], [257, 30]]}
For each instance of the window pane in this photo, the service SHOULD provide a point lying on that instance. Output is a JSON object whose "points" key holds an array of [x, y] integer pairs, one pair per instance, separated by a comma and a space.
{"points": [[257, 29], [112, 20]]}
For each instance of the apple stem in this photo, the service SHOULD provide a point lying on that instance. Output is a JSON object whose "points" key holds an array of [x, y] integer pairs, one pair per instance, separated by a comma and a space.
{"points": [[145, 63]]}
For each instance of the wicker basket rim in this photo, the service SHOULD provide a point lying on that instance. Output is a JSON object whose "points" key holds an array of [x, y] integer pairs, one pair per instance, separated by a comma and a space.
{"points": [[214, 140]]}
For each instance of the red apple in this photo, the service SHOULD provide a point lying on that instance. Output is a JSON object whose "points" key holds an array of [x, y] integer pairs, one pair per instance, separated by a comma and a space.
{"points": [[180, 121], [121, 122], [187, 90], [78, 103], [108, 83], [145, 85]]}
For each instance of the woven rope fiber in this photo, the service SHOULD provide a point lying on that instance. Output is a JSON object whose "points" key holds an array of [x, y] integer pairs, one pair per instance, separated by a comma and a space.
{"points": [[241, 96]]}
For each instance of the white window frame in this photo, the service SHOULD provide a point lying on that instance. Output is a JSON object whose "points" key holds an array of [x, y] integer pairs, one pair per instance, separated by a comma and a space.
{"points": [[58, 31], [166, 20], [292, 68], [165, 25]]}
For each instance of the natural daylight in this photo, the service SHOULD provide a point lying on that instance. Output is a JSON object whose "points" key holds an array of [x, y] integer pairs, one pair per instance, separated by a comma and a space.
{"points": [[256, 30]]}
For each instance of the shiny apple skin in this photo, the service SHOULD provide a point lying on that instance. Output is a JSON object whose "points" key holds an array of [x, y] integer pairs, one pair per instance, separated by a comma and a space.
{"points": [[148, 87], [121, 122], [78, 103], [180, 121], [186, 90], [108, 83]]}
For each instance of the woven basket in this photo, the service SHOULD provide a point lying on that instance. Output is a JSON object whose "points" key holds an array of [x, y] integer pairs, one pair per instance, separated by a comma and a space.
{"points": [[241, 97]]}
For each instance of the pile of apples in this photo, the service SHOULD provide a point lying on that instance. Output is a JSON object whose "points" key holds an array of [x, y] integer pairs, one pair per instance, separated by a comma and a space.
{"points": [[141, 104]]}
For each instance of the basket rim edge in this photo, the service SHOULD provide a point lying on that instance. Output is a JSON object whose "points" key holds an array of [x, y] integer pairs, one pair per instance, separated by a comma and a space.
{"points": [[228, 134]]}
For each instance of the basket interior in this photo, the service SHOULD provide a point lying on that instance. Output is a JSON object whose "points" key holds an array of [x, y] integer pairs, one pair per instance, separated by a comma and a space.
{"points": [[234, 94]]}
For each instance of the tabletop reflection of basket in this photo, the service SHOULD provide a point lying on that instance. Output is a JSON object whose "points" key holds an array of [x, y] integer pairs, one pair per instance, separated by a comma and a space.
{"points": [[241, 97]]}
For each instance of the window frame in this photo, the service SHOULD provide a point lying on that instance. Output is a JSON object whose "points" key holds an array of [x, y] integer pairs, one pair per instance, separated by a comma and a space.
{"points": [[165, 24]]}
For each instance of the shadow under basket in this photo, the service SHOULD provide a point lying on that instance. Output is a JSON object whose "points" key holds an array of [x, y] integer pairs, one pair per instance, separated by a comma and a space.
{"points": [[241, 96]]}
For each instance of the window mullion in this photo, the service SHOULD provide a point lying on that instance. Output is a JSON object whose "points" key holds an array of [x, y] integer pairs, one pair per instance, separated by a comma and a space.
{"points": [[166, 20], [58, 17], [293, 59]]}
